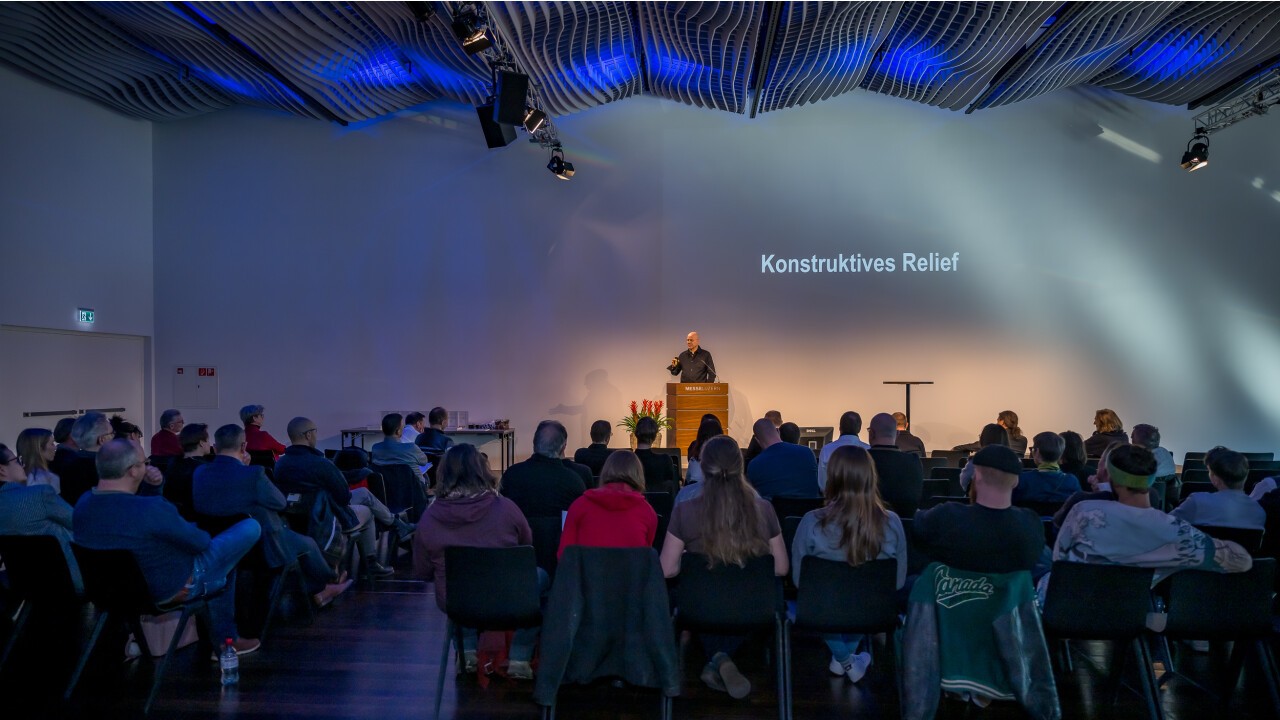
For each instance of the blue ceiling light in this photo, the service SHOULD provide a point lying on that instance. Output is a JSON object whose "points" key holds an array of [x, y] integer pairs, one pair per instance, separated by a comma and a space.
{"points": [[1173, 56], [915, 62]]}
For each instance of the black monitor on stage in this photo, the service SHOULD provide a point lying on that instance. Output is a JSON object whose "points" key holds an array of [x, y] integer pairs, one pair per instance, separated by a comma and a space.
{"points": [[815, 437]]}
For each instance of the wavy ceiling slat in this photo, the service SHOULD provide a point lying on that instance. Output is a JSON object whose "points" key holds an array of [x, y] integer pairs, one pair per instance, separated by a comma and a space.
{"points": [[579, 54], [434, 54], [945, 54], [161, 27], [1198, 49], [1087, 39], [76, 49], [329, 50], [823, 49], [700, 53]]}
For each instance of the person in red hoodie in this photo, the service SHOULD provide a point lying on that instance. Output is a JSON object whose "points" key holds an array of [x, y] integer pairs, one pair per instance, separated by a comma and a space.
{"points": [[258, 440], [615, 514], [469, 512]]}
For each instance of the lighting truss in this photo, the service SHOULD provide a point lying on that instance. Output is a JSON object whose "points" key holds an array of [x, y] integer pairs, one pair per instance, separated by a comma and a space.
{"points": [[1255, 99]]}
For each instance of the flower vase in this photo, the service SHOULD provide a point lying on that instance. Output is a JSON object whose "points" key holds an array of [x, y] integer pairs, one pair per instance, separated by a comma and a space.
{"points": [[633, 441]]}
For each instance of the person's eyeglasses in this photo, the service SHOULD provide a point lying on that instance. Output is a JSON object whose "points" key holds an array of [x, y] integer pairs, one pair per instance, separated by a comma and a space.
{"points": [[312, 430], [9, 460]]}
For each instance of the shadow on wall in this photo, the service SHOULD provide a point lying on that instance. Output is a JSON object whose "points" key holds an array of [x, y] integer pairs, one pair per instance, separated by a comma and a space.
{"points": [[603, 401], [740, 417]]}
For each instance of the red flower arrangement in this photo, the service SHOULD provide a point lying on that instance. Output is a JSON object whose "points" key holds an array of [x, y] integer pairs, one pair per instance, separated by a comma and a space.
{"points": [[643, 409]]}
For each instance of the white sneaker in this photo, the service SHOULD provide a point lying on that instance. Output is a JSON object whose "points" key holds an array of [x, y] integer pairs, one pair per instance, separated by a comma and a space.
{"points": [[519, 670], [857, 667], [835, 667]]}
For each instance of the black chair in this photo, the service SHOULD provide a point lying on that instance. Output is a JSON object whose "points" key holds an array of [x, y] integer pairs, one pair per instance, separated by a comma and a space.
{"points": [[488, 589], [585, 637], [1259, 456], [936, 488], [255, 562], [434, 458], [1249, 539], [116, 587], [404, 490], [928, 464], [661, 502], [790, 524], [836, 597], [263, 458], [1195, 476], [785, 507], [1192, 456], [1257, 475], [1028, 464], [1190, 488], [953, 457], [732, 600], [1227, 607], [660, 535], [38, 577], [546, 541], [945, 474], [1125, 593]]}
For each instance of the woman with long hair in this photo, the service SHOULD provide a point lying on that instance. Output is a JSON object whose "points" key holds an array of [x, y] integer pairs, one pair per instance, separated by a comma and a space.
{"points": [[729, 524], [36, 449], [707, 429], [469, 512], [854, 526], [1107, 431], [615, 514], [1008, 420], [1074, 459]]}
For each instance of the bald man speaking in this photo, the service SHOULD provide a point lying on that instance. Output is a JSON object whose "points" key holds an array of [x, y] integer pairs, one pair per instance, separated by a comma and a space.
{"points": [[695, 364]]}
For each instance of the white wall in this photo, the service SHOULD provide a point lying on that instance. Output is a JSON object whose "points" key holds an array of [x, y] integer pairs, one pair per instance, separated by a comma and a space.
{"points": [[75, 215], [337, 272]]}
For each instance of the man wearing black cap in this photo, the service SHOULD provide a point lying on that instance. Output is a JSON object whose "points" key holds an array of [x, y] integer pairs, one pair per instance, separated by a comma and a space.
{"points": [[989, 535]]}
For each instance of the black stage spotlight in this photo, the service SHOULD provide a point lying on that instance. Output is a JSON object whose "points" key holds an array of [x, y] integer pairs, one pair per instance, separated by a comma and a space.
{"points": [[534, 119], [560, 167], [1197, 154], [474, 39]]}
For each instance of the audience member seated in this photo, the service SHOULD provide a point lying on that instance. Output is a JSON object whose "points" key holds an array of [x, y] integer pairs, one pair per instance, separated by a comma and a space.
{"points": [[753, 447], [259, 440], [36, 450], [542, 486], [729, 524], [79, 472], [469, 512], [165, 442], [66, 445], [707, 429], [990, 535], [432, 439], [659, 471], [1074, 460], [302, 468], [615, 514], [1107, 430], [1128, 531], [781, 469], [126, 430], [1008, 420], [414, 423], [391, 451], [992, 434], [27, 509], [594, 455], [1165, 487], [179, 561], [1095, 487], [582, 471], [180, 474], [907, 442], [854, 527], [789, 432], [1046, 483], [850, 426], [900, 477], [1229, 506], [229, 485]]}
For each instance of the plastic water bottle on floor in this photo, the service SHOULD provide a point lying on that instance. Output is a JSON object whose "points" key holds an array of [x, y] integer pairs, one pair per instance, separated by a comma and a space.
{"points": [[230, 663]]}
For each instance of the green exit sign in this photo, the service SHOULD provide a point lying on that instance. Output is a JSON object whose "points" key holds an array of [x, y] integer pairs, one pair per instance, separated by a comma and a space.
{"points": [[86, 315]]}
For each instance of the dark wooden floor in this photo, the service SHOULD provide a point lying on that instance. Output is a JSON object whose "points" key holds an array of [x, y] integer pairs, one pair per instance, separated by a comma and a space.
{"points": [[374, 654]]}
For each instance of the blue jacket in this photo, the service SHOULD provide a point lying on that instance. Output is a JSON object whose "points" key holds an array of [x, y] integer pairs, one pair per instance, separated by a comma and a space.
{"points": [[226, 486], [1045, 486]]}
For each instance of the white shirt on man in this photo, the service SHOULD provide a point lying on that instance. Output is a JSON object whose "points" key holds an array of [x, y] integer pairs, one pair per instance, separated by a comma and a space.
{"points": [[409, 434], [829, 448]]}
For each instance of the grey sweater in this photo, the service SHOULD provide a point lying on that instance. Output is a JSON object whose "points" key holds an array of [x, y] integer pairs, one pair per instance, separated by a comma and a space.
{"points": [[813, 539]]}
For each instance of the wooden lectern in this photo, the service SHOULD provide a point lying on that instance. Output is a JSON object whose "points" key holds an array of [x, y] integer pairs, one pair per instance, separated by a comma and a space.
{"points": [[688, 402]]}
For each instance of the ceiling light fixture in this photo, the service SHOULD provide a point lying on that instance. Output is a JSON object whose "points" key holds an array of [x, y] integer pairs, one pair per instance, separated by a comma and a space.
{"points": [[468, 29], [558, 166], [534, 119], [1197, 154]]}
